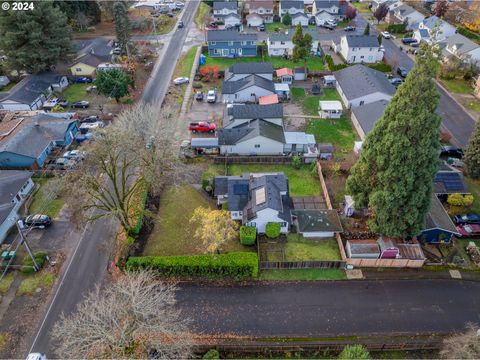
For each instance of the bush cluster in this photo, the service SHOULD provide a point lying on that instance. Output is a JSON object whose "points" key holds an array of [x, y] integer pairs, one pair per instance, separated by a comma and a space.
{"points": [[468, 33], [27, 267], [397, 28], [238, 265], [248, 235], [141, 211], [460, 200], [381, 67], [332, 66], [272, 230]]}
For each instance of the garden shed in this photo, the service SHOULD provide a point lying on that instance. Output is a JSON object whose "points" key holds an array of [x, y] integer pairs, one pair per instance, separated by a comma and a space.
{"points": [[330, 109], [362, 249], [316, 223]]}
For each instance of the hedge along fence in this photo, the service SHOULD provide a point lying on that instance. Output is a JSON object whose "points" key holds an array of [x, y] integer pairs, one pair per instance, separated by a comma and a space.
{"points": [[468, 33], [331, 64], [238, 265], [141, 196], [248, 235]]}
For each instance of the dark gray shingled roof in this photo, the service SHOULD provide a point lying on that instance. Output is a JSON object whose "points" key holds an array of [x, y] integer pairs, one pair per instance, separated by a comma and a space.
{"points": [[250, 130], [360, 80], [288, 4], [326, 4], [437, 217], [281, 36], [362, 40], [367, 115], [317, 221], [255, 111], [299, 14], [219, 5], [232, 87], [229, 35], [251, 68], [228, 15], [11, 181], [33, 87]]}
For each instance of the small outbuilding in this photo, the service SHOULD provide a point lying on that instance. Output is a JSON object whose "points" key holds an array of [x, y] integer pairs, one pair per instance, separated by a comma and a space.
{"points": [[330, 109], [329, 81], [362, 249], [300, 74], [317, 223], [285, 75], [283, 91], [326, 151]]}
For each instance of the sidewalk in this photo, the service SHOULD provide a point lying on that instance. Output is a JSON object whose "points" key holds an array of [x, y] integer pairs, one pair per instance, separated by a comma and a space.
{"points": [[414, 274]]}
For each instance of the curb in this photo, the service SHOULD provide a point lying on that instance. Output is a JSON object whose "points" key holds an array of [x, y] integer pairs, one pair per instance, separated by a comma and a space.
{"points": [[188, 90]]}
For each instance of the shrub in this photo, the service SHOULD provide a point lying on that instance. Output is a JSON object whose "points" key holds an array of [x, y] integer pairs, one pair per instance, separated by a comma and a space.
{"points": [[205, 183], [197, 85], [381, 67], [211, 354], [397, 28], [354, 352], [248, 235], [40, 258], [272, 230], [469, 34], [332, 66], [460, 200], [225, 206], [141, 211], [238, 265], [468, 75], [296, 161]]}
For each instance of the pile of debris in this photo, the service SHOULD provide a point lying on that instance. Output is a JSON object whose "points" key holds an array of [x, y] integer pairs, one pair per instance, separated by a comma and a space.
{"points": [[474, 253]]}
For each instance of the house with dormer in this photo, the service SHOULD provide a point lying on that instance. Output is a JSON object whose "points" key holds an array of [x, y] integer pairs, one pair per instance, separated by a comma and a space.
{"points": [[291, 6], [260, 12], [433, 30], [329, 10], [226, 12], [460, 47]]}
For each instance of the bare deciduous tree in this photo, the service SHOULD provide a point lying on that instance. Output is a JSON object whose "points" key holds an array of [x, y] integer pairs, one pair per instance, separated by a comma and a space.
{"points": [[462, 346], [134, 317]]}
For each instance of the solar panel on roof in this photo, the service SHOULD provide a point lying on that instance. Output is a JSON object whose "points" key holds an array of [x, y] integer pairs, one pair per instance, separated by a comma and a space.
{"points": [[452, 181], [240, 189]]}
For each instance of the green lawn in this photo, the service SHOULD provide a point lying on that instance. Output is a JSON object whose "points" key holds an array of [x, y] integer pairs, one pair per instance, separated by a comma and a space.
{"points": [[458, 86], [314, 63], [300, 249], [336, 131], [186, 62], [303, 274], [310, 103], [8, 87], [302, 182], [474, 188], [30, 284], [6, 282], [165, 24], [42, 200], [474, 105], [173, 234], [203, 9], [76, 92], [361, 7]]}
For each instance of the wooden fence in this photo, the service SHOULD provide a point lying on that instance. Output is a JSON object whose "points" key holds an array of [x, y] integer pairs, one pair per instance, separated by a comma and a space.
{"points": [[265, 265], [254, 160]]}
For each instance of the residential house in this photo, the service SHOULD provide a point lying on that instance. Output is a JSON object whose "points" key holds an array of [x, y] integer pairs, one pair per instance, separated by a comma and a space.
{"points": [[410, 16], [290, 6], [256, 199], [359, 85], [238, 114], [439, 227], [300, 18], [27, 138], [226, 12], [91, 55], [460, 47], [329, 10], [360, 49], [33, 91], [330, 109], [240, 71], [14, 188], [390, 3], [364, 117], [230, 43], [437, 29], [281, 44], [248, 89], [316, 223], [260, 12]]}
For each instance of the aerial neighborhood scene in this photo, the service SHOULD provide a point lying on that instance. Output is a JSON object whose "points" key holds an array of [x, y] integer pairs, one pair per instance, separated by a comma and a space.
{"points": [[250, 179]]}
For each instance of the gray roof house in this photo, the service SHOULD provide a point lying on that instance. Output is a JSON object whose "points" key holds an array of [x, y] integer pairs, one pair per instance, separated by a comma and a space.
{"points": [[412, 17], [364, 117], [360, 49], [360, 85], [248, 89], [14, 188], [316, 223], [221, 5], [449, 181], [279, 44], [231, 43], [290, 6], [241, 70], [256, 199], [238, 114], [324, 10], [90, 55], [439, 226], [461, 47]]}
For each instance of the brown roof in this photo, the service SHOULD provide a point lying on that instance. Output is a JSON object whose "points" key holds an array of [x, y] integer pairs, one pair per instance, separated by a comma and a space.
{"points": [[12, 122], [267, 4]]}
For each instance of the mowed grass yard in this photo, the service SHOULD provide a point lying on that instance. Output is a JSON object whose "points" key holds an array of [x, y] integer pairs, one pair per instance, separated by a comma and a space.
{"points": [[459, 86], [173, 233], [314, 63], [186, 62], [76, 92], [298, 248], [43, 201], [302, 274], [302, 182]]}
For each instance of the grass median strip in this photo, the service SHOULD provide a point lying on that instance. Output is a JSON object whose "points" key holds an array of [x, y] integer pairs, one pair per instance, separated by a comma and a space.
{"points": [[302, 274], [30, 284]]}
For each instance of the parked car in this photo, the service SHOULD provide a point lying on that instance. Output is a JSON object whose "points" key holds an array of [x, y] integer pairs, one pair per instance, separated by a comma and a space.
{"points": [[451, 151], [469, 230], [396, 81], [328, 26], [36, 356], [170, 14], [350, 28], [402, 72], [81, 104], [89, 119], [202, 126], [180, 80], [74, 154], [180, 24], [117, 51], [466, 219], [261, 27], [37, 220], [83, 80], [212, 96], [199, 96], [316, 89], [415, 44], [64, 164], [408, 40], [91, 89], [386, 35], [63, 103]]}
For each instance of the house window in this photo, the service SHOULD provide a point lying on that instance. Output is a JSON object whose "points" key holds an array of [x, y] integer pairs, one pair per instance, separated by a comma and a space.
{"points": [[370, 58], [362, 103], [244, 43], [232, 51], [361, 57], [252, 42], [282, 42], [213, 43], [283, 224], [272, 42], [216, 51], [230, 43], [257, 146], [78, 69]]}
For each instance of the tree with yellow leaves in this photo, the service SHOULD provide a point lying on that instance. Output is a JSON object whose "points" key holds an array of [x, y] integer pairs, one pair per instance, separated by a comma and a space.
{"points": [[215, 228]]}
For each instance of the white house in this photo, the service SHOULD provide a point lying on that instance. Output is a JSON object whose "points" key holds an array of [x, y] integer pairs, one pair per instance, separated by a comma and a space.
{"points": [[238, 114], [222, 8], [290, 6], [260, 12], [256, 199], [359, 85], [390, 3], [434, 30], [254, 20], [299, 18], [240, 71], [412, 17], [360, 49], [280, 44], [333, 10], [461, 47], [14, 188], [330, 109], [248, 89]]}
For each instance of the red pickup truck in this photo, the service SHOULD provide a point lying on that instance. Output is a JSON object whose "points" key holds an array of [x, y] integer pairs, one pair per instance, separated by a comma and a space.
{"points": [[202, 126]]}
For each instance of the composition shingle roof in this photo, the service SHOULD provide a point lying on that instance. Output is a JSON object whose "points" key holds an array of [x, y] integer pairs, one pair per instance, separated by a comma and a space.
{"points": [[299, 14], [367, 115], [250, 130], [251, 68], [317, 221], [219, 5], [33, 87], [266, 4], [362, 40], [437, 217], [359, 80], [229, 35], [281, 36], [288, 4], [254, 111], [232, 87], [11, 181], [463, 44], [326, 4]]}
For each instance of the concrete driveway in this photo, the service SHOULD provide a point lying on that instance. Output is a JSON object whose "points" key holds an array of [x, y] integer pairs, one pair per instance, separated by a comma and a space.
{"points": [[203, 111]]}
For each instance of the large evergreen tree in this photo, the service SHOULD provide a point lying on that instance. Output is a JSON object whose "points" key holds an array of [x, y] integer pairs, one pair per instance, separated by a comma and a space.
{"points": [[122, 24], [113, 83], [472, 154], [36, 39], [72, 9], [302, 44], [399, 158], [287, 19]]}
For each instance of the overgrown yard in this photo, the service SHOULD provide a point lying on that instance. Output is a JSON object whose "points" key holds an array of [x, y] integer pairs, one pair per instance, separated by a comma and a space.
{"points": [[302, 182], [6, 282], [298, 248], [201, 15], [44, 201], [303, 274], [474, 105], [314, 63], [459, 86], [173, 233], [76, 92], [30, 284]]}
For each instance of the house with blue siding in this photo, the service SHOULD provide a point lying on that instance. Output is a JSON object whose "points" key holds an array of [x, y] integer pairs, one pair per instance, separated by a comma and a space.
{"points": [[231, 43], [28, 138]]}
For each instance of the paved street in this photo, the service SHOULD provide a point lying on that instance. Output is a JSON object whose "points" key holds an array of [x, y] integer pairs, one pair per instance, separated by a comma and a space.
{"points": [[332, 308]]}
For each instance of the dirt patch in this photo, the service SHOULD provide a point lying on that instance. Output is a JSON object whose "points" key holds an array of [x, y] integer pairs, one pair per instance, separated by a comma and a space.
{"points": [[294, 123]]}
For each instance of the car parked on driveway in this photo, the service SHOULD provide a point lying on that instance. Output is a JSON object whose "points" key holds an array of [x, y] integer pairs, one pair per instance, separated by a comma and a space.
{"points": [[37, 220], [396, 81], [81, 104], [74, 154], [212, 96], [180, 80], [350, 28], [202, 126], [466, 219], [451, 151], [199, 96], [83, 80], [386, 35], [408, 40], [89, 119], [402, 72], [261, 27], [469, 230]]}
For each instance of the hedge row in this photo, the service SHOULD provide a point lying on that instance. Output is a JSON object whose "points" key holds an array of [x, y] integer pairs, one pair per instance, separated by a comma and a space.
{"points": [[235, 265], [381, 67], [397, 28], [468, 33], [141, 204], [332, 66]]}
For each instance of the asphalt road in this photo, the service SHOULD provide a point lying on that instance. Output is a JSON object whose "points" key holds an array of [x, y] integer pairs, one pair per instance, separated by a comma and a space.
{"points": [[160, 80], [311, 309]]}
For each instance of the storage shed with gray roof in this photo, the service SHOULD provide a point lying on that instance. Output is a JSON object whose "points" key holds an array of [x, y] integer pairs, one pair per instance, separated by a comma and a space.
{"points": [[317, 223], [241, 70]]}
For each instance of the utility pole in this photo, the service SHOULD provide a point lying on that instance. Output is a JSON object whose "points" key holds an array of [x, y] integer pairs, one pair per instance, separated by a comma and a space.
{"points": [[21, 228]]}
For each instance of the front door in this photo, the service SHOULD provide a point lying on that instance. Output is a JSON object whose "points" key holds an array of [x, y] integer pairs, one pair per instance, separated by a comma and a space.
{"points": [[240, 51], [225, 52]]}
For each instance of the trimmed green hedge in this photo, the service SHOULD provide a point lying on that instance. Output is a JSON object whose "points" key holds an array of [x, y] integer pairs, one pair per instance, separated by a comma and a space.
{"points": [[248, 235], [238, 265], [332, 66], [468, 33], [381, 67], [272, 230]]}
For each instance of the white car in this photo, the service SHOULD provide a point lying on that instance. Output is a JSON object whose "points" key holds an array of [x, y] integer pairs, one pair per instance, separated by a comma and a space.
{"points": [[36, 356], [180, 80], [386, 34], [211, 96], [74, 154]]}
